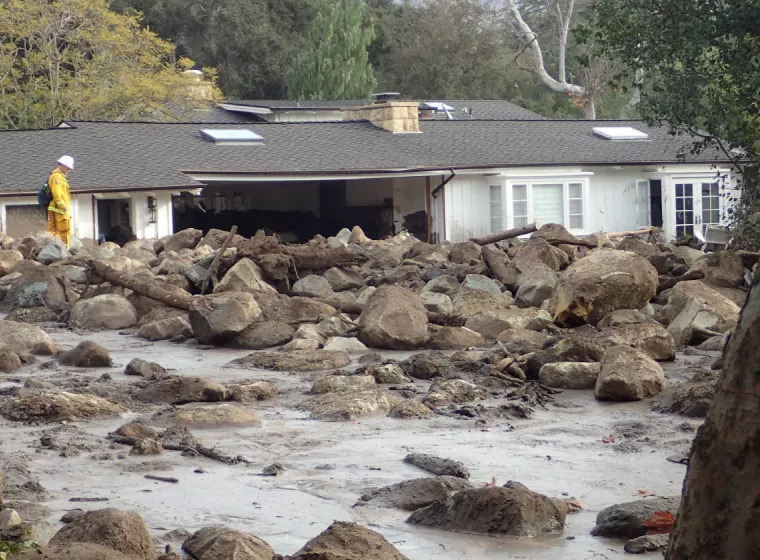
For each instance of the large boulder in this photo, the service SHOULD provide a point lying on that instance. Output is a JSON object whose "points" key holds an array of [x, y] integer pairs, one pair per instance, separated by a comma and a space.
{"points": [[565, 350], [38, 286], [86, 354], [183, 390], [447, 391], [32, 243], [53, 252], [539, 250], [25, 339], [428, 365], [218, 318], [724, 269], [344, 540], [465, 252], [569, 375], [696, 306], [443, 284], [601, 282], [622, 318], [335, 383], [437, 303], [59, 407], [72, 551], [492, 323], [313, 286], [297, 360], [522, 341], [514, 511], [411, 495], [215, 415], [626, 520], [215, 238], [628, 374], [166, 329], [342, 279], [349, 404], [295, 309], [535, 283], [107, 311], [691, 399], [481, 283], [8, 259], [636, 245], [471, 302], [265, 334], [185, 239], [650, 338], [393, 318], [124, 531], [342, 344], [244, 276], [456, 338], [224, 543]]}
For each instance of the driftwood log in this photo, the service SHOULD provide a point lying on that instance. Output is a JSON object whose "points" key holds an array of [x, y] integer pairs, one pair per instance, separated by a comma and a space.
{"points": [[211, 274], [502, 235], [201, 450], [615, 234], [667, 282], [151, 290]]}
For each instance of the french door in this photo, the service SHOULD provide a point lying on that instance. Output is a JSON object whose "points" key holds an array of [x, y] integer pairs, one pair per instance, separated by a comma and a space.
{"points": [[697, 206]]}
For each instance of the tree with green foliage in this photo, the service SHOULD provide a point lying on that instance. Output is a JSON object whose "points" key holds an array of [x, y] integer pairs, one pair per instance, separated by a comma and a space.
{"points": [[76, 59], [336, 65]]}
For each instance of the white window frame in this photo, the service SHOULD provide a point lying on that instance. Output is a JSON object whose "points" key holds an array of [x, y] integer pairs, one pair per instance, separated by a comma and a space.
{"points": [[565, 182]]}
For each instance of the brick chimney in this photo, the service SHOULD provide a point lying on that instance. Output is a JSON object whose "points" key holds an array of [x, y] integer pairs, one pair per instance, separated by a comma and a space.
{"points": [[395, 116]]}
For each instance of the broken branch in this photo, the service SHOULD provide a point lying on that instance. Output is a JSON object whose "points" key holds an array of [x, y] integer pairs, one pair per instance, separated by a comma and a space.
{"points": [[162, 478], [217, 258], [508, 234], [668, 282], [198, 450]]}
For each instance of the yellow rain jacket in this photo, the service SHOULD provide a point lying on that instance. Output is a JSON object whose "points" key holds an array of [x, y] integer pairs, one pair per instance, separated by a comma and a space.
{"points": [[59, 219]]}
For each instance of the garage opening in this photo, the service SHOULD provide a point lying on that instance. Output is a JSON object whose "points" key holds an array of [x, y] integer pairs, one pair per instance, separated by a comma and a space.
{"points": [[23, 219], [299, 210], [114, 222]]}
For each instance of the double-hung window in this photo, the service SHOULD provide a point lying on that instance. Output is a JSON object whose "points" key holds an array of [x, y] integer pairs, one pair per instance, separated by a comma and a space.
{"points": [[547, 201]]}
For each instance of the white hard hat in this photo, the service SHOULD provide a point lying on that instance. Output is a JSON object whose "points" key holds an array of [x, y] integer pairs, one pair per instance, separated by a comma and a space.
{"points": [[68, 161]]}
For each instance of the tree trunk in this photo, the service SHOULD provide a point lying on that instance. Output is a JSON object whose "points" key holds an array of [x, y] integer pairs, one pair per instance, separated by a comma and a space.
{"points": [[502, 235], [668, 282], [211, 274], [720, 512]]}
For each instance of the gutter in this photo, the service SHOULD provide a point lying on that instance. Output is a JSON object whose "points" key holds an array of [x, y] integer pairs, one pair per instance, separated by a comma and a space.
{"points": [[96, 190], [436, 190]]}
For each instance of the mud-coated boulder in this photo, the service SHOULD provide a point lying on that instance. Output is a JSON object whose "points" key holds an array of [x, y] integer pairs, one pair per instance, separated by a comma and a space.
{"points": [[696, 306], [255, 391], [393, 318], [53, 252], [218, 318], [313, 286], [443, 284], [650, 338], [265, 334], [9, 362], [481, 283], [601, 282], [59, 407], [334, 383], [296, 360], [691, 398], [428, 365], [724, 269], [215, 238], [623, 317], [626, 520], [344, 540], [244, 276], [570, 375], [446, 391], [38, 286], [182, 390], [349, 404], [107, 311], [86, 354], [492, 323], [522, 341], [185, 239], [437, 303], [565, 350], [145, 369], [295, 309], [32, 243], [636, 245], [414, 494], [8, 259], [628, 374], [465, 252], [342, 279], [456, 338], [535, 283], [341, 344], [166, 329], [514, 512], [25, 339], [215, 415], [72, 551], [124, 531], [471, 302], [224, 543]]}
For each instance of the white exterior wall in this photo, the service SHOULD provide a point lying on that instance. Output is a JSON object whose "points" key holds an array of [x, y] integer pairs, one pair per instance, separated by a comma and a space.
{"points": [[408, 197], [466, 208]]}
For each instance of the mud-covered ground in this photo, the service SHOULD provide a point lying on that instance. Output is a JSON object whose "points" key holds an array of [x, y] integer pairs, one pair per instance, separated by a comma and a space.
{"points": [[558, 452]]}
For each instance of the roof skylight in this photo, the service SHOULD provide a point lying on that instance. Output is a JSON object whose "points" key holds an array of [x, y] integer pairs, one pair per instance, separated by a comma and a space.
{"points": [[232, 136], [620, 133]]}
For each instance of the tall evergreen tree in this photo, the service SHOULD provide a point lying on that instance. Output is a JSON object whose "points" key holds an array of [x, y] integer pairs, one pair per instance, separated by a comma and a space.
{"points": [[336, 66]]}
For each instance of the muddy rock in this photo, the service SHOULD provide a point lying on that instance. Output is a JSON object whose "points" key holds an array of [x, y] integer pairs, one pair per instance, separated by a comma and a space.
{"points": [[218, 318], [410, 408], [456, 338], [468, 303], [522, 341], [9, 362], [108, 311], [622, 318], [185, 239], [414, 494], [215, 238], [708, 298], [391, 374], [638, 246], [341, 344], [38, 286], [123, 531], [437, 465], [349, 405], [444, 284], [625, 520], [296, 310], [344, 540], [393, 318], [647, 543], [566, 350], [660, 262], [143, 368], [32, 243], [492, 323], [8, 260], [59, 407], [342, 279], [437, 303], [427, 366], [73, 551], [266, 334], [53, 252], [255, 391], [136, 430], [334, 383], [86, 354], [650, 338], [446, 391], [628, 374], [166, 329], [723, 268], [215, 415], [313, 286], [535, 283], [223, 543], [570, 375], [691, 399], [147, 447], [182, 390], [302, 345], [538, 250], [481, 283], [601, 282], [297, 360], [32, 315], [465, 252], [514, 511], [244, 276]]}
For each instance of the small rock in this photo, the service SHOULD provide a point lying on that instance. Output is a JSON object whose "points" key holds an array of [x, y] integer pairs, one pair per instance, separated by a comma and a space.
{"points": [[481, 283], [390, 373], [146, 447], [437, 465], [136, 430], [143, 368], [9, 518], [313, 286], [570, 375], [334, 383], [410, 408], [647, 543], [625, 520], [350, 345], [86, 354], [275, 469], [256, 391]]}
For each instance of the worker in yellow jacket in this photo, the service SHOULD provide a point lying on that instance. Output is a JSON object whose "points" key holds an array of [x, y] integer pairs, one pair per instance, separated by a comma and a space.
{"points": [[59, 211]]}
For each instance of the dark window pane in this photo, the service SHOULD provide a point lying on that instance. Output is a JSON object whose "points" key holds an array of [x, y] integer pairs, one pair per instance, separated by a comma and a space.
{"points": [[705, 216], [688, 217], [705, 189], [689, 203], [714, 189], [679, 190], [715, 216], [689, 230], [679, 217], [687, 189], [679, 203]]}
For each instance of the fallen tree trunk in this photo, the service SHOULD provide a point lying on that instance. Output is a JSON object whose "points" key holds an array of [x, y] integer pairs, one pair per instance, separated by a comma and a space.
{"points": [[718, 517], [150, 290], [576, 242], [353, 308], [498, 262], [211, 274], [667, 282], [614, 234], [266, 252], [508, 234]]}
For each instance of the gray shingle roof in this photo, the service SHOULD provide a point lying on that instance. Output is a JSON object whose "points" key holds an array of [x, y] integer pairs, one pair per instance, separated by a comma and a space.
{"points": [[152, 155]]}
